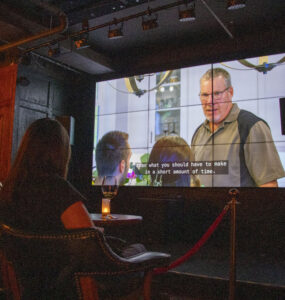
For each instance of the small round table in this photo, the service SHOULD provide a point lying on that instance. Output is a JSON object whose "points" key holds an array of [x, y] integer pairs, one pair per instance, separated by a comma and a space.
{"points": [[123, 226], [118, 219]]}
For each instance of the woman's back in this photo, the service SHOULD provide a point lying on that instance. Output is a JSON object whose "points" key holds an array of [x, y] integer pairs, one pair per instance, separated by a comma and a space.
{"points": [[39, 203]]}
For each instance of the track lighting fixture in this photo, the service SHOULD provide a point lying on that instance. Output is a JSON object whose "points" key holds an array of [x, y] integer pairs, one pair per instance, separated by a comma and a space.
{"points": [[50, 52], [81, 43], [54, 51], [116, 32], [149, 22], [83, 40], [187, 15], [236, 4]]}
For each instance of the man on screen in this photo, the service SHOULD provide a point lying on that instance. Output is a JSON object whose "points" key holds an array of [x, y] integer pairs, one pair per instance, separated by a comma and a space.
{"points": [[233, 135], [113, 155]]}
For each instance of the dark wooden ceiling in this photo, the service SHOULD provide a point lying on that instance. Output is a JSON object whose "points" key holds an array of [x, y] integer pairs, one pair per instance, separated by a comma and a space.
{"points": [[217, 34]]}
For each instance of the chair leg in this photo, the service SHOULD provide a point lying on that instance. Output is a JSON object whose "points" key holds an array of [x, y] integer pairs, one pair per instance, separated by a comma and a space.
{"points": [[9, 279], [88, 288], [147, 285]]}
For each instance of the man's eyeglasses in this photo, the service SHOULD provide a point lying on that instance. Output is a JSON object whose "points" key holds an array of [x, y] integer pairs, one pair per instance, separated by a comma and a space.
{"points": [[217, 94]]}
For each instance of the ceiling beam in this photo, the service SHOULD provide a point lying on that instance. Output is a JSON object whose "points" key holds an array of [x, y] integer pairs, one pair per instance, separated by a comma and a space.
{"points": [[157, 59], [86, 59]]}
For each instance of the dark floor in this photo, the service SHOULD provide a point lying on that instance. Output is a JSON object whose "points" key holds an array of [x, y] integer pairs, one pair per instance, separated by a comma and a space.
{"points": [[182, 286], [260, 276]]}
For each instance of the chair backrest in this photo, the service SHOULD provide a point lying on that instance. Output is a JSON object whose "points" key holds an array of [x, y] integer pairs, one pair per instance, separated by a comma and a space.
{"points": [[47, 265]]}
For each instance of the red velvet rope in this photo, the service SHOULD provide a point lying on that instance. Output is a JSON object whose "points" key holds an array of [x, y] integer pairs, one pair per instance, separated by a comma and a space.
{"points": [[196, 247]]}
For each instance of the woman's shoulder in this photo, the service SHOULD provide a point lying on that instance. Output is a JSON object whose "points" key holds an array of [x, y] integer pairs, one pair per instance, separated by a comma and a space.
{"points": [[61, 191], [54, 184], [68, 187], [51, 180], [59, 182]]}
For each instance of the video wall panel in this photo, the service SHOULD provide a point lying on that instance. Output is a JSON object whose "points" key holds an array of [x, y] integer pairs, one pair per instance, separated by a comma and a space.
{"points": [[220, 128]]}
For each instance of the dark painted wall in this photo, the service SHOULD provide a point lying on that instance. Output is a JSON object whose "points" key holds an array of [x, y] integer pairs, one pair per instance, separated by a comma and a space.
{"points": [[45, 89], [260, 213]]}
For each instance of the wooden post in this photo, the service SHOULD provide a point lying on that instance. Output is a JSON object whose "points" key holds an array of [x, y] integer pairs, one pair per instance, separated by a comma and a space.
{"points": [[232, 278], [8, 76], [147, 285]]}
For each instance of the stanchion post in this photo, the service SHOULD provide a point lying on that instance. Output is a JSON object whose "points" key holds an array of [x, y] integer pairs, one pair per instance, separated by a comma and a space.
{"points": [[232, 278]]}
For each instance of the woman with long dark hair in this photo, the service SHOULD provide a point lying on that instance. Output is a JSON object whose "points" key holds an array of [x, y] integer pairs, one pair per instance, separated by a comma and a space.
{"points": [[37, 197], [36, 194]]}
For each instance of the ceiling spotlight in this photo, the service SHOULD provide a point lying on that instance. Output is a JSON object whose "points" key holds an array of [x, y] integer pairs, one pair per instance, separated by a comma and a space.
{"points": [[81, 43], [188, 14], [83, 40], [116, 32], [149, 23], [50, 52], [54, 51], [236, 4]]}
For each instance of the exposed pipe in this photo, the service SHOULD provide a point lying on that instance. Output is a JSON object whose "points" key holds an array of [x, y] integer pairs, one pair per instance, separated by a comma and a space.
{"points": [[51, 8], [63, 25]]}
